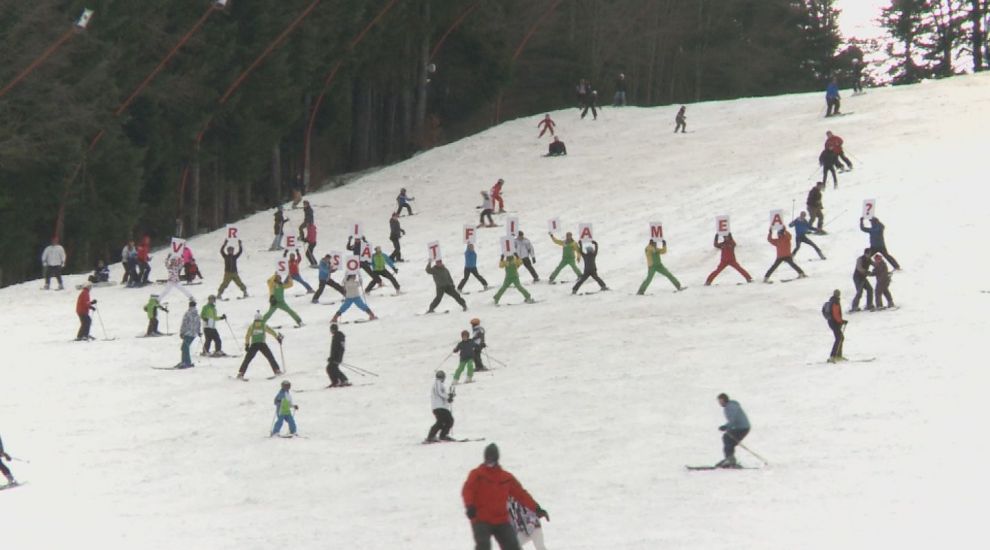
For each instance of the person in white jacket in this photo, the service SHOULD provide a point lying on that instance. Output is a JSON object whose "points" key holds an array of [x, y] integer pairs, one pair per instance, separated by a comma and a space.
{"points": [[526, 252], [189, 331], [441, 400], [52, 263], [526, 524], [173, 263], [486, 210]]}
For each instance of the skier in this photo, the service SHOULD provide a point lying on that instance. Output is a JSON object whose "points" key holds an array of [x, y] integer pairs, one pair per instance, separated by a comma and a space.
{"points": [[466, 348], [882, 273], [189, 265], [173, 264], [52, 263], [440, 400], [783, 245], [151, 308], [337, 378], [828, 161], [832, 99], [298, 188], [395, 233], [210, 332], [311, 244], [128, 259], [511, 266], [546, 125], [444, 284], [478, 337], [486, 493], [276, 298], [355, 245], [3, 467], [588, 254], [735, 429], [619, 100], [680, 120], [591, 102], [834, 143], [496, 194], [857, 67], [294, 260], [832, 310], [101, 274], [471, 268], [380, 264], [230, 268], [728, 248], [815, 207], [189, 330], [583, 89], [403, 201], [280, 221], [654, 265], [801, 229], [556, 148], [144, 260], [527, 524], [527, 254], [325, 274], [254, 341], [862, 283], [83, 306], [569, 254], [308, 219], [352, 296], [877, 242], [486, 211], [283, 409]]}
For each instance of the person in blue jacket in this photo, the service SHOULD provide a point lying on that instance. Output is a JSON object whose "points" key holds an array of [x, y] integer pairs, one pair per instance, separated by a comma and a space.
{"points": [[283, 409], [3, 468], [403, 201], [325, 270], [832, 99], [471, 268], [877, 244], [734, 430], [802, 227]]}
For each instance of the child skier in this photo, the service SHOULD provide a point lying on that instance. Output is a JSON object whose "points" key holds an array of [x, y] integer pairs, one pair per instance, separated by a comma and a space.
{"points": [[254, 341], [590, 268], [569, 254], [832, 311], [276, 297], [210, 332], [728, 248], [352, 297], [466, 347], [471, 268], [151, 308], [83, 306], [283, 409], [279, 229], [546, 125], [403, 201], [311, 244], [478, 337], [783, 245], [511, 266], [440, 399], [654, 265], [189, 330], [496, 194], [681, 120], [486, 211]]}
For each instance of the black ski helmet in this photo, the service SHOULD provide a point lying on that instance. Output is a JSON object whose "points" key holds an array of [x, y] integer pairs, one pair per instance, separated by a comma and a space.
{"points": [[441, 375]]}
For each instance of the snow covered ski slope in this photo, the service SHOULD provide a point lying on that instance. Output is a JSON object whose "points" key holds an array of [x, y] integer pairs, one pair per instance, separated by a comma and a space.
{"points": [[605, 397]]}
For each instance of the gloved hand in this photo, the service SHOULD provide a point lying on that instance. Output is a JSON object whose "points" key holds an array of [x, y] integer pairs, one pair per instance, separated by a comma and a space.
{"points": [[92, 308], [723, 428], [224, 316], [450, 398], [279, 337], [92, 301], [844, 323], [165, 309], [471, 512], [541, 513]]}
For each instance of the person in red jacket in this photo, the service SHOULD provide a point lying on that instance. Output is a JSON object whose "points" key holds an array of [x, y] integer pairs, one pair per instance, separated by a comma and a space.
{"points": [[837, 324], [546, 125], [83, 306], [144, 260], [834, 143], [497, 196], [486, 494], [783, 245], [728, 248], [311, 244]]}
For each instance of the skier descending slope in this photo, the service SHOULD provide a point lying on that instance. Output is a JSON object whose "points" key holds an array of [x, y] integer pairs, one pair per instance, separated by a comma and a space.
{"points": [[511, 265], [403, 201], [466, 348], [440, 400], [283, 409], [783, 245], [834, 143], [3, 467], [728, 248], [444, 284], [832, 311], [569, 255], [337, 378], [486, 498], [189, 330], [527, 525], [590, 268], [734, 430], [254, 341], [654, 265]]}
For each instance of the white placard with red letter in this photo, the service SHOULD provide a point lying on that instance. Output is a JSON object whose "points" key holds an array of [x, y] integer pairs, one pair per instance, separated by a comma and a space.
{"points": [[553, 225], [231, 233], [722, 226], [336, 258], [585, 233], [290, 241], [470, 235], [365, 251], [357, 230], [433, 250], [177, 245], [352, 264], [512, 226], [869, 208], [507, 245], [282, 268], [777, 220], [656, 231]]}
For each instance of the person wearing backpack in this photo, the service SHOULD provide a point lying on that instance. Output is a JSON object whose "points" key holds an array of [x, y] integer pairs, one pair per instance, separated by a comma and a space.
{"points": [[832, 311]]}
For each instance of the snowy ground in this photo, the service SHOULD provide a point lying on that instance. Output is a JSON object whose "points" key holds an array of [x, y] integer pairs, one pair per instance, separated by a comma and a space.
{"points": [[606, 397]]}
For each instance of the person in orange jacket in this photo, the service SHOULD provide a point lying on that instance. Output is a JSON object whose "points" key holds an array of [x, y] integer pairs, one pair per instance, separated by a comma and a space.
{"points": [[83, 306], [832, 310], [486, 493], [728, 248], [834, 143], [783, 245]]}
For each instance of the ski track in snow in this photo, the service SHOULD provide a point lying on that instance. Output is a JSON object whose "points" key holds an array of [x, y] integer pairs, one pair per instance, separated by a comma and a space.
{"points": [[605, 398]]}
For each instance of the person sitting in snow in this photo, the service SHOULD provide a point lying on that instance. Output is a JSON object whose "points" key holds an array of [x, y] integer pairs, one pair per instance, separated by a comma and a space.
{"points": [[556, 148]]}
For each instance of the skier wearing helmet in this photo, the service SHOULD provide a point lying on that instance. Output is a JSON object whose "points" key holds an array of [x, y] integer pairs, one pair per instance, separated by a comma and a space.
{"points": [[283, 409], [478, 337], [440, 399]]}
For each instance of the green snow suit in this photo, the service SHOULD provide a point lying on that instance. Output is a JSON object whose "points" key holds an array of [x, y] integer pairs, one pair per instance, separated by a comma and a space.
{"points": [[276, 290], [511, 267], [654, 266], [569, 257]]}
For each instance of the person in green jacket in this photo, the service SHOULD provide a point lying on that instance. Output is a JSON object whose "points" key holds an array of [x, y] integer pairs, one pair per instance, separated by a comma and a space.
{"points": [[254, 341], [276, 297], [283, 410], [511, 266], [570, 254], [654, 266], [151, 308], [380, 262], [210, 333]]}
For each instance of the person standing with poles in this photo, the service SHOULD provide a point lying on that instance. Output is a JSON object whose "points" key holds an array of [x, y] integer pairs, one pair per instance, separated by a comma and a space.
{"points": [[471, 268], [230, 268], [188, 331], [52, 263], [284, 408], [151, 308], [486, 495], [527, 254], [280, 221], [337, 378], [444, 284], [466, 348], [212, 335], [832, 311], [816, 210], [569, 255], [478, 337], [440, 399], [3, 467], [734, 430], [83, 306], [403, 201], [654, 265], [254, 341]]}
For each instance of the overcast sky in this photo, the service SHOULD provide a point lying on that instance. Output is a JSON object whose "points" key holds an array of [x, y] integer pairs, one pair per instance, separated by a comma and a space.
{"points": [[857, 18]]}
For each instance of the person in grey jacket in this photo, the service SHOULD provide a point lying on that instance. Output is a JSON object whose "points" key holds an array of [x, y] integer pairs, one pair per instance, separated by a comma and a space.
{"points": [[526, 252], [735, 429], [189, 330]]}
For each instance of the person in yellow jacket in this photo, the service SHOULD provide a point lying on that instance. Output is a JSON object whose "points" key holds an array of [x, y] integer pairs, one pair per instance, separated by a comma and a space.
{"points": [[570, 255], [654, 265], [254, 342], [276, 297], [511, 266]]}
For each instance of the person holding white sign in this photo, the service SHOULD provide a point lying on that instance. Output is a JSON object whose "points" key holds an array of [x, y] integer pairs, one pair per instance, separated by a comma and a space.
{"points": [[654, 265], [444, 284], [352, 297], [276, 298], [569, 255], [511, 264], [325, 271], [877, 242], [527, 254], [783, 245], [590, 268], [471, 268], [728, 259], [802, 227], [230, 268], [173, 263], [379, 262]]}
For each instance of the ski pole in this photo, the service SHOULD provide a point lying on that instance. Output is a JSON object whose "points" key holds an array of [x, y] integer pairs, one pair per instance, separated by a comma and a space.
{"points": [[359, 373], [20, 460], [836, 216], [792, 209], [104, 328], [281, 353], [359, 369], [166, 318], [750, 451], [229, 328], [444, 360], [495, 360]]}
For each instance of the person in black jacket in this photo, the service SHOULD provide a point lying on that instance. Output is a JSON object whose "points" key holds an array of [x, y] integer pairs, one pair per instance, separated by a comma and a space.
{"points": [[280, 221], [620, 91], [307, 219], [590, 269], [556, 148], [591, 102], [230, 268], [337, 378], [829, 160], [395, 232], [3, 468], [863, 264]]}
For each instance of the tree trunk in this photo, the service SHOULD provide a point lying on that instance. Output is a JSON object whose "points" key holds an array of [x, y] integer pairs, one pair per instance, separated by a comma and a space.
{"points": [[276, 176], [419, 121], [976, 36], [194, 194]]}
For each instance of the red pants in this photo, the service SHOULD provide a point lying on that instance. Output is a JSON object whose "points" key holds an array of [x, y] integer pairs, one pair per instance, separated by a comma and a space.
{"points": [[497, 199], [723, 265], [545, 128]]}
